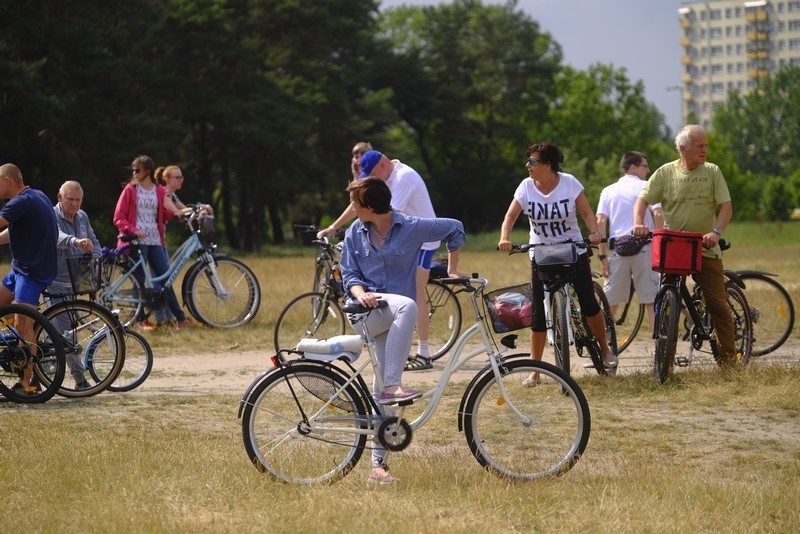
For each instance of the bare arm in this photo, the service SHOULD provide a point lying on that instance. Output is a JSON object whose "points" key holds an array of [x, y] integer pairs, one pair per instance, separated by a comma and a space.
{"points": [[602, 224], [4, 233], [639, 209], [658, 218], [514, 209], [347, 215], [587, 214]]}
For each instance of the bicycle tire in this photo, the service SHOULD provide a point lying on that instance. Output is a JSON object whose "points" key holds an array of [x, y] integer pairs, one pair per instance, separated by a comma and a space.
{"points": [[138, 363], [83, 324], [560, 333], [322, 271], [584, 337], [771, 309], [128, 300], [49, 360], [608, 317], [629, 320], [551, 438], [239, 303], [742, 322], [667, 313], [307, 315], [281, 442], [444, 313]]}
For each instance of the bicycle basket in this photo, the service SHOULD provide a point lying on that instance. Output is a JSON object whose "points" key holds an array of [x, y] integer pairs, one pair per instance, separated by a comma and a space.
{"points": [[676, 252], [84, 273], [556, 261], [510, 308], [207, 225]]}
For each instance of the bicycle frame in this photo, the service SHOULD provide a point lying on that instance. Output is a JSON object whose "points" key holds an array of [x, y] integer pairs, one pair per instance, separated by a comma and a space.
{"points": [[698, 333], [433, 396]]}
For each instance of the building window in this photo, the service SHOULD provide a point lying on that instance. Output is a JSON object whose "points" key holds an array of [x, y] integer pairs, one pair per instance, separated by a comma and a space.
{"points": [[716, 69], [730, 68], [715, 33], [739, 31], [715, 14], [794, 25], [794, 44], [716, 51], [793, 6]]}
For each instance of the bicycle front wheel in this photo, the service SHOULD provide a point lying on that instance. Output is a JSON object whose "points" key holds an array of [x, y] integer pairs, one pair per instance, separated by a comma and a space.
{"points": [[94, 345], [138, 363], [444, 313], [771, 310], [667, 313], [222, 294], [27, 337], [300, 425], [558, 308], [523, 432], [308, 315]]}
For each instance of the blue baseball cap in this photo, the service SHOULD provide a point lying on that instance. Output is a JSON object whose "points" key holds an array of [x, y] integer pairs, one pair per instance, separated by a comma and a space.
{"points": [[368, 162]]}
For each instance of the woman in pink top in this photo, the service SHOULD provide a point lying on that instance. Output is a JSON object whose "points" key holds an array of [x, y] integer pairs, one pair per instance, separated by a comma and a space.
{"points": [[143, 209]]}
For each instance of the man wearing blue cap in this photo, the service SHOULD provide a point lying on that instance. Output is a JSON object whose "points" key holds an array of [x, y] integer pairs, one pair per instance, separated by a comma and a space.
{"points": [[409, 196]]}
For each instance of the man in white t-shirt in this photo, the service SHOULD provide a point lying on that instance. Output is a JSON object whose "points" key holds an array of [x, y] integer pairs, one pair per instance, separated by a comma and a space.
{"points": [[409, 196], [615, 210]]}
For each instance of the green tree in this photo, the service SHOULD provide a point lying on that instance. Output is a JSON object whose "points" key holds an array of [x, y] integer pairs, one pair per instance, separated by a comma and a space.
{"points": [[776, 202], [466, 82]]}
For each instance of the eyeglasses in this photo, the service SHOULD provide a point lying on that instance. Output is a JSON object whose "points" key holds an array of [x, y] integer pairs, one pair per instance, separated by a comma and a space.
{"points": [[532, 162], [177, 177]]}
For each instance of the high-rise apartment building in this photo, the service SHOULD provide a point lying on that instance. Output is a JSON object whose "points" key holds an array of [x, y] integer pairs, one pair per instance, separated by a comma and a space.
{"points": [[732, 45]]}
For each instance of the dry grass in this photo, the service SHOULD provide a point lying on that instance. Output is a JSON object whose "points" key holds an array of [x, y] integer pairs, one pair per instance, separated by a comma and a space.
{"points": [[710, 451]]}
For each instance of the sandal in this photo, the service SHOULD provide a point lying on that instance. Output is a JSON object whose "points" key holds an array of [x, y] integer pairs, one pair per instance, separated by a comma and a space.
{"points": [[418, 363], [19, 389]]}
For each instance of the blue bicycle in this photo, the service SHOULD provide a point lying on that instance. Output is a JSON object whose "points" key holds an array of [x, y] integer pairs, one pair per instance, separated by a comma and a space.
{"points": [[218, 290]]}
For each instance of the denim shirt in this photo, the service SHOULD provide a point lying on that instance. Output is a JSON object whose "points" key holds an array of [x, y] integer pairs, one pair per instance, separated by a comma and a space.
{"points": [[393, 268]]}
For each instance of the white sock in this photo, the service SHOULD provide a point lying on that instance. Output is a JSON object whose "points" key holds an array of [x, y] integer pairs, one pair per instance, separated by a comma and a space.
{"points": [[423, 349]]}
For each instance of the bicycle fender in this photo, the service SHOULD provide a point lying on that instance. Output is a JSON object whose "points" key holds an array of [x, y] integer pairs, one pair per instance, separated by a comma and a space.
{"points": [[480, 374], [733, 276], [267, 372], [746, 272]]}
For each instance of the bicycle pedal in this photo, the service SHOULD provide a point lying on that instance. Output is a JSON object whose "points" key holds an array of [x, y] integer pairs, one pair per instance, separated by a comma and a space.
{"points": [[682, 361]]}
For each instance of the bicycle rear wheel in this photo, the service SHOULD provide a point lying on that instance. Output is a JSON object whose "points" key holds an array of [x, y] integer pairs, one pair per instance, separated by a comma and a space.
{"points": [[307, 315], [742, 324], [628, 321], [138, 363], [558, 308], [128, 300], [520, 432], [299, 426], [771, 311], [44, 351], [608, 317], [667, 312], [224, 294], [89, 332], [444, 312]]}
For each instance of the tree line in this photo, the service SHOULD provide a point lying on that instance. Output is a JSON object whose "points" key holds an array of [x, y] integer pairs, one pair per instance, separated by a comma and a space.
{"points": [[260, 101]]}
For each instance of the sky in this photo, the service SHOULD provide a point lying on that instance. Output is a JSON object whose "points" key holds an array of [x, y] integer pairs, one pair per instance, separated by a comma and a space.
{"points": [[641, 36]]}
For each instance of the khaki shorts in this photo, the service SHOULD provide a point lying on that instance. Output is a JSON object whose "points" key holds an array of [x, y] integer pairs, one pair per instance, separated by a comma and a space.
{"points": [[622, 269]]}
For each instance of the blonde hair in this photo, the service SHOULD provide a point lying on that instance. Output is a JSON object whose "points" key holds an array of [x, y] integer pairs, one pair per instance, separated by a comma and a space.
{"points": [[162, 173]]}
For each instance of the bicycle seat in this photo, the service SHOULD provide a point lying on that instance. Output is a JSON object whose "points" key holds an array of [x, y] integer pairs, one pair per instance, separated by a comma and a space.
{"points": [[127, 238], [333, 348]]}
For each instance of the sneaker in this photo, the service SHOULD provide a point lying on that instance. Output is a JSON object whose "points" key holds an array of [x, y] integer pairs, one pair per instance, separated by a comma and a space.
{"points": [[418, 363], [399, 396], [611, 362], [186, 323], [588, 365], [83, 384], [146, 325]]}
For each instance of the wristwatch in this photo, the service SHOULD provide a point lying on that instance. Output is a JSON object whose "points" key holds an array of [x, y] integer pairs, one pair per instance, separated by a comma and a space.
{"points": [[717, 230]]}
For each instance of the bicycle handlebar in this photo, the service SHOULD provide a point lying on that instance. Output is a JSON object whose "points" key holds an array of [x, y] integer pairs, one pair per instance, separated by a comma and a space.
{"points": [[517, 248], [724, 244]]}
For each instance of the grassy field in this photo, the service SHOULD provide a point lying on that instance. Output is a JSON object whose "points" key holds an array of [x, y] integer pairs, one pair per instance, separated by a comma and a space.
{"points": [[711, 451]]}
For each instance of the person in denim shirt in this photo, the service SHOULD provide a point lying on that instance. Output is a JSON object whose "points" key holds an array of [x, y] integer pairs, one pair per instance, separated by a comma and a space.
{"points": [[379, 262]]}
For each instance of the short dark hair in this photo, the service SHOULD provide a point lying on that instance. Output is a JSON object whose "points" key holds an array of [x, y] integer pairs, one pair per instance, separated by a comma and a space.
{"points": [[631, 158], [371, 193], [549, 154]]}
